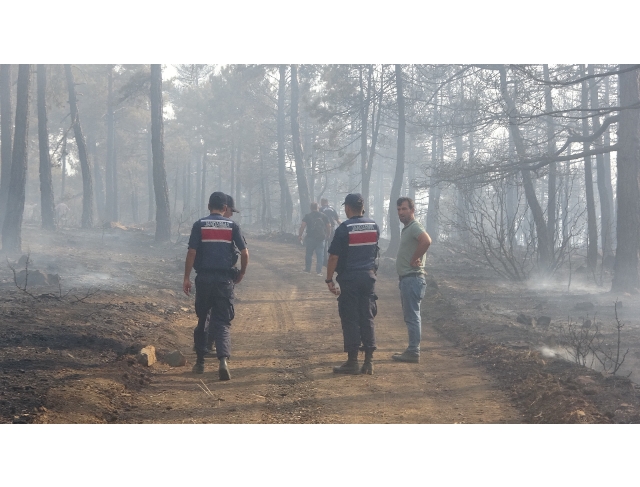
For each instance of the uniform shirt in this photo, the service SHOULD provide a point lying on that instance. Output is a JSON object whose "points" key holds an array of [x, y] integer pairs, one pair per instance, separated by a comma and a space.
{"points": [[213, 237], [356, 245], [408, 245], [331, 214]]}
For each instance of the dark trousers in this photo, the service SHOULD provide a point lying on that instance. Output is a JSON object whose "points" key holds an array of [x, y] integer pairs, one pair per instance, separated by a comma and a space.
{"points": [[216, 296], [357, 308], [314, 246]]}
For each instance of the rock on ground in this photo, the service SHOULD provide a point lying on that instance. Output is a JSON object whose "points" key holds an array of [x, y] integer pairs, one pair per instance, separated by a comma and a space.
{"points": [[147, 355], [175, 359]]}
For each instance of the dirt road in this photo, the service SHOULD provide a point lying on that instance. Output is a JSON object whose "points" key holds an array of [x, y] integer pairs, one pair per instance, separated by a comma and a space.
{"points": [[285, 339], [68, 348]]}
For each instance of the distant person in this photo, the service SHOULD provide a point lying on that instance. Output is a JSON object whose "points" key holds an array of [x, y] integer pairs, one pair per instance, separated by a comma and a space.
{"points": [[211, 250], [352, 254], [414, 242], [318, 230], [334, 220]]}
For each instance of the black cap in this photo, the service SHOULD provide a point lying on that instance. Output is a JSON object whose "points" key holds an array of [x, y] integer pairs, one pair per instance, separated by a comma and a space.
{"points": [[354, 200], [217, 199], [231, 205]]}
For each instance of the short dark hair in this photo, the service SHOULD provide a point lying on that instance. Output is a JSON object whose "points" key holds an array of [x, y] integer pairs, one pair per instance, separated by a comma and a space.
{"points": [[313, 206], [217, 200], [324, 200], [409, 201]]}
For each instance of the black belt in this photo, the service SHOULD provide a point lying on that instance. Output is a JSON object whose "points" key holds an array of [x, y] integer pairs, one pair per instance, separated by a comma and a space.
{"points": [[412, 274]]}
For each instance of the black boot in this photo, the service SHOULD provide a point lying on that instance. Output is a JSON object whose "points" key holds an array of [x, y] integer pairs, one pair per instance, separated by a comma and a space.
{"points": [[350, 366], [367, 366], [223, 370], [198, 368]]}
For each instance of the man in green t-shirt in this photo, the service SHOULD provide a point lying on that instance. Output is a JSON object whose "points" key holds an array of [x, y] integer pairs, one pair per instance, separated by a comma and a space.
{"points": [[414, 242]]}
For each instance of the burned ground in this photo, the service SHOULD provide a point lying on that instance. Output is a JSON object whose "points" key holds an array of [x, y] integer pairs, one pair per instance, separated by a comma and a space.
{"points": [[68, 349]]}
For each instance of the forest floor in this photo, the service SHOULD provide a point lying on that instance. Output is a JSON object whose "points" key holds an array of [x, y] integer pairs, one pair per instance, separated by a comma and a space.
{"points": [[68, 351]]}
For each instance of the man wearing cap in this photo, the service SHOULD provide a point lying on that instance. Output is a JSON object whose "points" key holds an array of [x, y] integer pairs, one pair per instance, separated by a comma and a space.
{"points": [[414, 242], [211, 250], [352, 254]]}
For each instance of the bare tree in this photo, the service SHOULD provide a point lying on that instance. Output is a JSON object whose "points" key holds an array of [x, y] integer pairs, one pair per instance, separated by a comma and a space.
{"points": [[85, 163], [12, 225], [301, 177], [6, 134], [163, 215], [393, 221], [286, 204], [626, 277], [46, 184]]}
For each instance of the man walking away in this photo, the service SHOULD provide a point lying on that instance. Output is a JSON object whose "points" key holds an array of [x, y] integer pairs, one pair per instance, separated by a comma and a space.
{"points": [[352, 254], [211, 250], [414, 242], [318, 230], [334, 220]]}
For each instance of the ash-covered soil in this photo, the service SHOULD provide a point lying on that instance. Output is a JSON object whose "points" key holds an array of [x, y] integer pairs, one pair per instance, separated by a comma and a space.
{"points": [[68, 345]]}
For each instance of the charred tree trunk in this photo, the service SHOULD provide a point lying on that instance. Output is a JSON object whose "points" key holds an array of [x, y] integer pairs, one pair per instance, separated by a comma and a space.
{"points": [[592, 229], [12, 225], [393, 221], [551, 149], [532, 200], [85, 164], [626, 272], [607, 171], [46, 184], [112, 192], [152, 197], [6, 134], [163, 212], [286, 204], [99, 180], [606, 214], [301, 177], [203, 186], [365, 102]]}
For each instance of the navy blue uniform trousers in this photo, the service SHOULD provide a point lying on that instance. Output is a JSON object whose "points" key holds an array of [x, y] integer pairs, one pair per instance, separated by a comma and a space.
{"points": [[357, 308], [216, 295]]}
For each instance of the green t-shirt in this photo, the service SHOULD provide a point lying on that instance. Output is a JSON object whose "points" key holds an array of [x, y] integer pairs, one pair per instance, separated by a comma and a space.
{"points": [[408, 245]]}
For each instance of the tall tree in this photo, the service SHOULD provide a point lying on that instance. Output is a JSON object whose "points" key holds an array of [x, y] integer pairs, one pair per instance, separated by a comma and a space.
{"points": [[592, 229], [626, 272], [85, 163], [606, 198], [110, 166], [46, 184], [301, 177], [12, 225], [6, 134], [551, 149], [163, 215], [286, 204], [393, 221]]}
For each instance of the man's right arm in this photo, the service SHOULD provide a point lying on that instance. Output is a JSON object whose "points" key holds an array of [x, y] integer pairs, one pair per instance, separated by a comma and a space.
{"points": [[244, 262], [188, 265]]}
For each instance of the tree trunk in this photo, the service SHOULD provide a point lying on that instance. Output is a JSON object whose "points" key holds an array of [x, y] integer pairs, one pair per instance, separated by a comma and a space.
{"points": [[47, 205], [12, 225], [301, 177], [6, 134], [532, 200], [607, 170], [152, 199], [85, 164], [626, 272], [99, 180], [204, 200], [286, 203], [365, 102], [393, 221], [163, 212], [111, 173], [606, 216], [592, 241], [551, 149]]}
